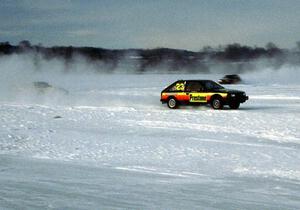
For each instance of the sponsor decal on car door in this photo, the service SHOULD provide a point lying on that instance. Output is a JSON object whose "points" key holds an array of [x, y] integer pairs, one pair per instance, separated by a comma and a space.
{"points": [[198, 97]]}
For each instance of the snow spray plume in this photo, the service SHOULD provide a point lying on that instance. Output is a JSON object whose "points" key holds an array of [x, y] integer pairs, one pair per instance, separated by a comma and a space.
{"points": [[32, 78]]}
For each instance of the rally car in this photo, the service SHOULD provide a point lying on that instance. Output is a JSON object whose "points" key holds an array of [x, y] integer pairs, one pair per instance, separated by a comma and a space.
{"points": [[44, 87], [201, 92]]}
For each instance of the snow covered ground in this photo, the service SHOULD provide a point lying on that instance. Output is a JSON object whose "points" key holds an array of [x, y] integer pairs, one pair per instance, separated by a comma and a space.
{"points": [[110, 144]]}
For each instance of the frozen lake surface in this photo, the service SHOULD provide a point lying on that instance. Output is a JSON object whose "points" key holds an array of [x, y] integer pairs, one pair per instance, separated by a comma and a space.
{"points": [[110, 144]]}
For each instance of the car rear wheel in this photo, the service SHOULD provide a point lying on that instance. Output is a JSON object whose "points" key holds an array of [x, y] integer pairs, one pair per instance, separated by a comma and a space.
{"points": [[217, 103], [234, 105], [172, 103]]}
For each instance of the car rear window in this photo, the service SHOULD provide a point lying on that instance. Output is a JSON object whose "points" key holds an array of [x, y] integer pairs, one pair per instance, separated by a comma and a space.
{"points": [[178, 86]]}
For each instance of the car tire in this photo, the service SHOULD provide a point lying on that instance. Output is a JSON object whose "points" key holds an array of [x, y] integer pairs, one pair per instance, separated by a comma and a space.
{"points": [[217, 103], [234, 105], [172, 103]]}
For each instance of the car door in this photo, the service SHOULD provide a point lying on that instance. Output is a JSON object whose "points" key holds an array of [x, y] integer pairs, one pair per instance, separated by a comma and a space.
{"points": [[196, 93]]}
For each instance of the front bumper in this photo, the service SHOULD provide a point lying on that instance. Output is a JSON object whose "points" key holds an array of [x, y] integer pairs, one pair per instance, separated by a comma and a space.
{"points": [[237, 98]]}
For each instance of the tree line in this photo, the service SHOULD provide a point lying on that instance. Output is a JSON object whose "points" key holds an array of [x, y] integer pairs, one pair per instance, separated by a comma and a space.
{"points": [[234, 57]]}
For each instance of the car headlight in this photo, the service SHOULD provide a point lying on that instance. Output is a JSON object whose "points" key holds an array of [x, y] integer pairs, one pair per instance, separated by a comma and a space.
{"points": [[232, 95]]}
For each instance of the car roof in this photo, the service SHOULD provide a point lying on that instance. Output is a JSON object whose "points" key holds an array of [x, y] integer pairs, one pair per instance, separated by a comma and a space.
{"points": [[194, 80], [232, 75]]}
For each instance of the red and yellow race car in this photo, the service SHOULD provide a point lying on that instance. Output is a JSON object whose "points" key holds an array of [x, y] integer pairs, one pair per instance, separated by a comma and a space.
{"points": [[201, 92]]}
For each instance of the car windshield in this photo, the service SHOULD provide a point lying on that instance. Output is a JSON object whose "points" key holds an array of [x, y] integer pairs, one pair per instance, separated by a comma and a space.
{"points": [[211, 85]]}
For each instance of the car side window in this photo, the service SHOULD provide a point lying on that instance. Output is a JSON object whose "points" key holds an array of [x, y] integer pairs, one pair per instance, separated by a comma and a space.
{"points": [[209, 85], [194, 86]]}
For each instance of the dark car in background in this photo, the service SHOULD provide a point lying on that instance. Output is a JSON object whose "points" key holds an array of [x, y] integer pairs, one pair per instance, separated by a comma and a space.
{"points": [[230, 79]]}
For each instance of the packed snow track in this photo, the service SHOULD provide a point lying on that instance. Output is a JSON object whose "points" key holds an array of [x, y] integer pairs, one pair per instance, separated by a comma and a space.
{"points": [[110, 144]]}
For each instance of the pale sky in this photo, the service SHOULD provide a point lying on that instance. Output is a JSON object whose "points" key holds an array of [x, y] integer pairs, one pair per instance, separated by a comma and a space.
{"points": [[118, 24]]}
